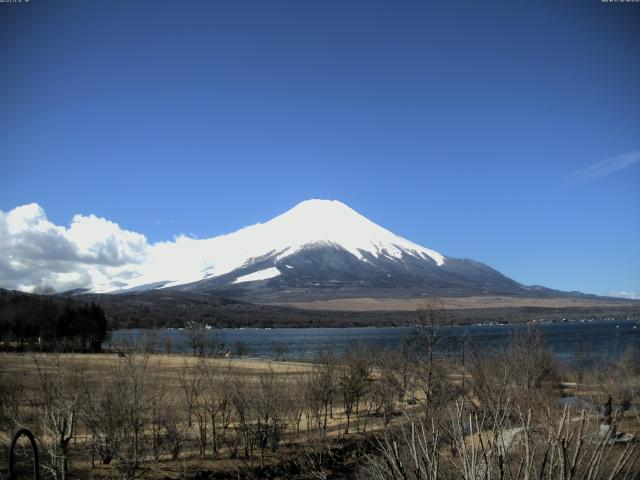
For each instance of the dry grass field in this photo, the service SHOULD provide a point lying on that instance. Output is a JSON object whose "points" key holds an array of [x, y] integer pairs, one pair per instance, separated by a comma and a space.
{"points": [[187, 390], [356, 414], [410, 304]]}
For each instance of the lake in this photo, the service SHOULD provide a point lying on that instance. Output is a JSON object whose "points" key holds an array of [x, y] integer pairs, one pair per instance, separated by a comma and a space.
{"points": [[595, 339]]}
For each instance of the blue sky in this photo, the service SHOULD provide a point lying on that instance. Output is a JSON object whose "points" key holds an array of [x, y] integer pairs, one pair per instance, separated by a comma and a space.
{"points": [[506, 132]]}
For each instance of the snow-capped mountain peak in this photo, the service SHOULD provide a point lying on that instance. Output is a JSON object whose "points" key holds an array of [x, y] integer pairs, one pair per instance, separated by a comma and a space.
{"points": [[333, 222], [310, 223]]}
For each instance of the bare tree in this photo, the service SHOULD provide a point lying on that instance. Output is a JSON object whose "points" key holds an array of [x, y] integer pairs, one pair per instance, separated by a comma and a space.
{"points": [[223, 408], [214, 341], [534, 373], [321, 390], [280, 349], [628, 381], [12, 389], [168, 344], [297, 401], [135, 368], [189, 379], [148, 341], [269, 412], [166, 433], [413, 453], [201, 413], [242, 401], [430, 376], [118, 414], [195, 338], [58, 408], [353, 380], [239, 348], [506, 444], [388, 387]]}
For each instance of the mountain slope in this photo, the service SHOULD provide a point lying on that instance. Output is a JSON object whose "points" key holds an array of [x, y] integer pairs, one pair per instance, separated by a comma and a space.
{"points": [[310, 223], [321, 249], [327, 271]]}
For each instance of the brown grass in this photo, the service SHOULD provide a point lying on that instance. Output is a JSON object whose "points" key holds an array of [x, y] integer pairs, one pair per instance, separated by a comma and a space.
{"points": [[164, 370], [410, 304]]}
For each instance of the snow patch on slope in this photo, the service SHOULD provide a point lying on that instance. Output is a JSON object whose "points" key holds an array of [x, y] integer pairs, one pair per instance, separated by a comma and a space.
{"points": [[259, 275]]}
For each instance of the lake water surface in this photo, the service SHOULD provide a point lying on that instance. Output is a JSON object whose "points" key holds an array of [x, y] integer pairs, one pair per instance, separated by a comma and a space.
{"points": [[593, 339]]}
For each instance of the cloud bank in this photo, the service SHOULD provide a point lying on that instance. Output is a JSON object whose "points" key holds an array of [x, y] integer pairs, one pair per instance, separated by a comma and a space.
{"points": [[91, 251], [629, 295], [607, 166]]}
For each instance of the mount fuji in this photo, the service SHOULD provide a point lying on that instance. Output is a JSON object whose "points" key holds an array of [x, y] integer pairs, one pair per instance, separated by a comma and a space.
{"points": [[320, 249]]}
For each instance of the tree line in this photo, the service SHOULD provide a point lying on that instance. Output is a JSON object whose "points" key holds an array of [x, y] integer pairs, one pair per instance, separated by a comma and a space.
{"points": [[49, 323]]}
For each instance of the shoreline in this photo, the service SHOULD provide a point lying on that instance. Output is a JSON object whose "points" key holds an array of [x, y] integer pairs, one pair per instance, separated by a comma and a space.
{"points": [[540, 322]]}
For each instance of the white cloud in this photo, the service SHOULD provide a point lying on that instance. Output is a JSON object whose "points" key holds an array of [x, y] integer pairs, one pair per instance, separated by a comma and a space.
{"points": [[34, 251], [91, 252], [629, 295], [105, 242], [607, 166]]}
